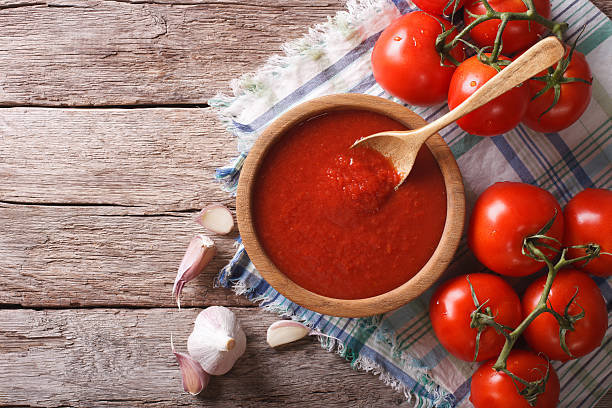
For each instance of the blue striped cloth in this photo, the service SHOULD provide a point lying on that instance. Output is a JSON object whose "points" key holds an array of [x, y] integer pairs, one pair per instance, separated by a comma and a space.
{"points": [[334, 57]]}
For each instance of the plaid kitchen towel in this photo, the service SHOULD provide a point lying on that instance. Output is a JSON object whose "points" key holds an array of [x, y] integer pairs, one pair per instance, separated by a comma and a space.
{"points": [[334, 57]]}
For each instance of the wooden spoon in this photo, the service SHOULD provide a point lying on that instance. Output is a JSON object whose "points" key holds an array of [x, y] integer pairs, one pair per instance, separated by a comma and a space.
{"points": [[401, 147]]}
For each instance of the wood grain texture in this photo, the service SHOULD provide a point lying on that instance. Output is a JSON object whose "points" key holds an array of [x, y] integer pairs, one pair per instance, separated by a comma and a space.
{"points": [[606, 7], [392, 299], [147, 160], [88, 194], [72, 256], [92, 52], [113, 357]]}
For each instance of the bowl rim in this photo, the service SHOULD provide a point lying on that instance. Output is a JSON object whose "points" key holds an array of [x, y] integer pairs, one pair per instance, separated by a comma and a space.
{"points": [[424, 278]]}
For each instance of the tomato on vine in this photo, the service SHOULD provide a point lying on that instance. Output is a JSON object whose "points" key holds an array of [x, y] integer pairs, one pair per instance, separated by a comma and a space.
{"points": [[517, 35], [588, 219], [452, 308], [558, 99], [578, 302], [504, 215], [495, 117], [491, 388], [405, 61]]}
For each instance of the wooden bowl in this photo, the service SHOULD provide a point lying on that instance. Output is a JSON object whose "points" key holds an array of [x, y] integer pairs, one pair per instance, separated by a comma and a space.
{"points": [[431, 271]]}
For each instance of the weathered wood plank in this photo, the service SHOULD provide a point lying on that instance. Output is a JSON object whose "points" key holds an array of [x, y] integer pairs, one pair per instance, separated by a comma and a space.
{"points": [[73, 52], [606, 401], [152, 159], [106, 357], [66, 256], [606, 7], [143, 52]]}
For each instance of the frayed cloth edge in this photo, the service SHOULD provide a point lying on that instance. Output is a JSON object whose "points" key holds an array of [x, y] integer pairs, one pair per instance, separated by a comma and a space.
{"points": [[331, 344]]}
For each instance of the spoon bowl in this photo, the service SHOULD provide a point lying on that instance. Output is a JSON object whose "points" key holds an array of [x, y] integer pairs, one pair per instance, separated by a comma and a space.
{"points": [[402, 147]]}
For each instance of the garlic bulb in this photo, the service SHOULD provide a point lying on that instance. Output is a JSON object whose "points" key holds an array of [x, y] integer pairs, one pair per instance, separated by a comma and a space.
{"points": [[199, 253], [285, 331], [217, 340]]}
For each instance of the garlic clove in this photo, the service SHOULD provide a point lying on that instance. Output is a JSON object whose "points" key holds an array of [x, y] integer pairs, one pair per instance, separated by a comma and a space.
{"points": [[217, 340], [194, 378], [200, 251], [286, 331], [216, 218]]}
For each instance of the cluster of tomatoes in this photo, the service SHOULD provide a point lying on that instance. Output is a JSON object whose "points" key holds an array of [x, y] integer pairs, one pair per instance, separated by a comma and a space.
{"points": [[575, 320], [408, 64]]}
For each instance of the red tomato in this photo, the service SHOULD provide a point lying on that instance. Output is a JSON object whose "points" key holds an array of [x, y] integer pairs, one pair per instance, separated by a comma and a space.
{"points": [[588, 218], [491, 388], [406, 64], [450, 312], [503, 216], [517, 36], [437, 6], [543, 333], [498, 116], [574, 99]]}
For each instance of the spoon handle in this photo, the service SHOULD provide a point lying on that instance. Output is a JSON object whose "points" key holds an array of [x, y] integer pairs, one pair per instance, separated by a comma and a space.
{"points": [[537, 58]]}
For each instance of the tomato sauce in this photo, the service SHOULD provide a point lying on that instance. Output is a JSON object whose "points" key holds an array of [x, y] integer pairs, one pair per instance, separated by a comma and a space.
{"points": [[328, 216]]}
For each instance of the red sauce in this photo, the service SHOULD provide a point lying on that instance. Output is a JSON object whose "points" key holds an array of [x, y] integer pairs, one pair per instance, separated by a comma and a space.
{"points": [[328, 216]]}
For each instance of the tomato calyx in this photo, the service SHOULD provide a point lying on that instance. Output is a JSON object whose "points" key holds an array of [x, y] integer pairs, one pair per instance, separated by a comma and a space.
{"points": [[592, 251], [531, 389], [482, 317], [530, 15], [532, 242], [554, 78], [493, 61], [441, 42], [566, 321]]}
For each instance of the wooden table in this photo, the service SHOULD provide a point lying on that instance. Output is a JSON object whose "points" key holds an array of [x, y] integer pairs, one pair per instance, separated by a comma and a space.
{"points": [[107, 149]]}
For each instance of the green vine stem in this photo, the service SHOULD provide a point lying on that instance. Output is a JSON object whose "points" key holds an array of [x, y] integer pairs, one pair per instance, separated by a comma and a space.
{"points": [[498, 44], [557, 28], [512, 337], [482, 316]]}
